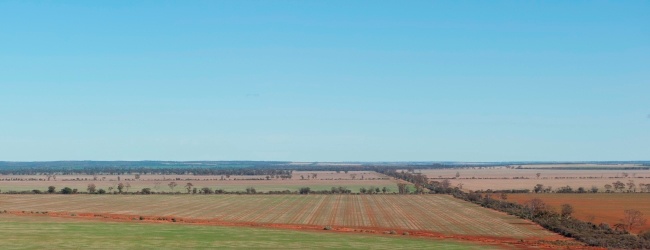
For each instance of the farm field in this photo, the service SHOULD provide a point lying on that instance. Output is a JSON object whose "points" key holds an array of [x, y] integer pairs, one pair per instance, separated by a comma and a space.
{"points": [[413, 213], [28, 232], [499, 178], [324, 180], [601, 207]]}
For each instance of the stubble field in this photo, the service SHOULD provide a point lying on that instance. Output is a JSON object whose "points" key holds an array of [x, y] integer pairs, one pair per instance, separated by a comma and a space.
{"points": [[414, 213]]}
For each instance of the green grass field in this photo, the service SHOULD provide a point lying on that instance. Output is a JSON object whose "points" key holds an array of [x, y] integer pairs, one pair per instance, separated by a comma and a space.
{"points": [[56, 233]]}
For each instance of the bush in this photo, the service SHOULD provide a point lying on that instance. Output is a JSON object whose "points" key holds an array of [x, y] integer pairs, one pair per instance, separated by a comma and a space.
{"points": [[645, 235], [304, 190], [66, 190]]}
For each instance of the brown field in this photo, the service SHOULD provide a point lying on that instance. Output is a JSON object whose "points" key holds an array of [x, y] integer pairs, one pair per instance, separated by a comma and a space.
{"points": [[601, 207], [498, 178], [439, 214], [324, 180]]}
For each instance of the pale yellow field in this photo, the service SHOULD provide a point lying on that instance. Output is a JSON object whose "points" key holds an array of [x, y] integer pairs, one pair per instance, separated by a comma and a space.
{"points": [[324, 180], [497, 178]]}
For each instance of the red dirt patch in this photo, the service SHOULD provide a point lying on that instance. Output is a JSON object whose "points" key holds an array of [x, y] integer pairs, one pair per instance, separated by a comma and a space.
{"points": [[600, 207]]}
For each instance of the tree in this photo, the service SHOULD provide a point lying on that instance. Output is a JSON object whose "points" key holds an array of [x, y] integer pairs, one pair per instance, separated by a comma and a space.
{"points": [[535, 207], [457, 174], [384, 190], [91, 188], [594, 189], [504, 196], [206, 190], [66, 190], [51, 189], [120, 187], [101, 191], [608, 187], [401, 187], [304, 190], [189, 186], [631, 187], [538, 188], [128, 186], [172, 185], [538, 174], [633, 218], [146, 191], [618, 185], [567, 210]]}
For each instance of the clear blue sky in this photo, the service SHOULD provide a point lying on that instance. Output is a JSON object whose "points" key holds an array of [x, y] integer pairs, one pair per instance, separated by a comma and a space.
{"points": [[325, 81]]}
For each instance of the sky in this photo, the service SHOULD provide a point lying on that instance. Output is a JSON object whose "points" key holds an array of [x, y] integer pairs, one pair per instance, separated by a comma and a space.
{"points": [[325, 80]]}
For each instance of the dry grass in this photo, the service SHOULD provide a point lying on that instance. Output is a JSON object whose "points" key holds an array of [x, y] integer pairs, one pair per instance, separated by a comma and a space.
{"points": [[499, 178], [324, 180]]}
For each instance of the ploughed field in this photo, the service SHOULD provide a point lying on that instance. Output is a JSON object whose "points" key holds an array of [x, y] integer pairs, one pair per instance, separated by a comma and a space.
{"points": [[315, 180], [600, 207], [30, 232], [440, 214]]}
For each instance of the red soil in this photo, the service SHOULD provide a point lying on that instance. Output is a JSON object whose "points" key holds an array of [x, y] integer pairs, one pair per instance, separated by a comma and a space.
{"points": [[602, 207]]}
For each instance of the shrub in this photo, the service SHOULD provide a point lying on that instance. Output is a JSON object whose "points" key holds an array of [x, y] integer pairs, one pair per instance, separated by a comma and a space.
{"points": [[66, 190]]}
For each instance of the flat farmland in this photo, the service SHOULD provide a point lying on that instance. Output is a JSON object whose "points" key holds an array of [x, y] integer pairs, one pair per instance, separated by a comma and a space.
{"points": [[29, 232], [316, 180], [499, 178], [422, 213], [600, 207]]}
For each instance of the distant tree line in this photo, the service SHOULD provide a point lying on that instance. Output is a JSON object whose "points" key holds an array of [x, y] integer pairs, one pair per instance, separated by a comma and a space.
{"points": [[192, 167]]}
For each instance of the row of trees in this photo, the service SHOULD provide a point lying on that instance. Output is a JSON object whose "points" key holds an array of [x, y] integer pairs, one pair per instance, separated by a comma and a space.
{"points": [[617, 186], [602, 235], [189, 188]]}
